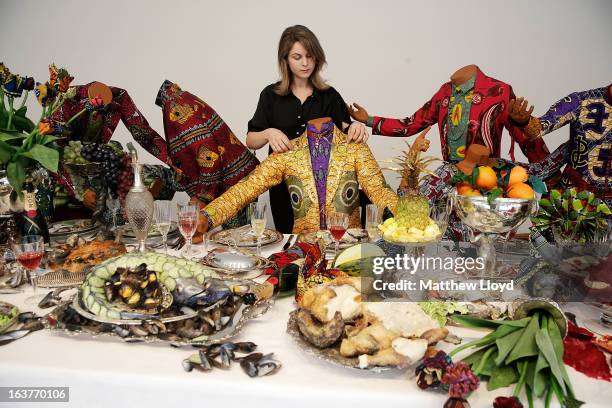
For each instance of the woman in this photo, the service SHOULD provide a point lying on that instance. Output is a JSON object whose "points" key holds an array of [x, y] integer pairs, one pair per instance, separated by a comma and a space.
{"points": [[285, 107]]}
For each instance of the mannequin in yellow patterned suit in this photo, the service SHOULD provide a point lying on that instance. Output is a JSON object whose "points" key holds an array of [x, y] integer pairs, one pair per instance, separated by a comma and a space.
{"points": [[321, 167]]}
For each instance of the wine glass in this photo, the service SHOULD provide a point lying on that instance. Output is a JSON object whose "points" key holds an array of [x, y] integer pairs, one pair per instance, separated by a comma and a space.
{"points": [[161, 215], [373, 219], [29, 251], [337, 223], [187, 223], [113, 205], [258, 222], [439, 212]]}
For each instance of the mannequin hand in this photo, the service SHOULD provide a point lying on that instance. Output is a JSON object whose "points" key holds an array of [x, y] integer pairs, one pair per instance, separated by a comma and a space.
{"points": [[517, 109], [357, 133], [421, 144], [89, 199], [279, 142], [202, 226], [201, 229], [358, 112]]}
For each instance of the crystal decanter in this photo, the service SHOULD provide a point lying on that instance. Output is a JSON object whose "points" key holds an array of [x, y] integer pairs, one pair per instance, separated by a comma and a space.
{"points": [[139, 204]]}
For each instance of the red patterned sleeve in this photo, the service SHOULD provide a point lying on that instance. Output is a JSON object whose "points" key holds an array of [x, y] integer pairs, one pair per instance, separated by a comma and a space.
{"points": [[138, 126], [426, 116]]}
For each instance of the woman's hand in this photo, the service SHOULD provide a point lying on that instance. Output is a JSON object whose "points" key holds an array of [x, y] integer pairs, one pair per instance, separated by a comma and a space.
{"points": [[202, 226], [279, 142], [357, 133], [358, 112]]}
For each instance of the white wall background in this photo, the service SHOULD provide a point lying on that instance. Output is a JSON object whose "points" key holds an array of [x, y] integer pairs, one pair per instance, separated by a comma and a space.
{"points": [[390, 56]]}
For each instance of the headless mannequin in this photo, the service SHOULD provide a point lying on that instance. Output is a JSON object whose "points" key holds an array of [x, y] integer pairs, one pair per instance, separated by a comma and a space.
{"points": [[462, 75]]}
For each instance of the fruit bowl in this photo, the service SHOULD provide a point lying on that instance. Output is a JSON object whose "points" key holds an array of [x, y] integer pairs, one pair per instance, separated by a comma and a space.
{"points": [[500, 217], [413, 237]]}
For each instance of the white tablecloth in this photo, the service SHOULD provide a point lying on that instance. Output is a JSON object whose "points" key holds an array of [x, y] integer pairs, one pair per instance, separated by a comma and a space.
{"points": [[106, 372]]}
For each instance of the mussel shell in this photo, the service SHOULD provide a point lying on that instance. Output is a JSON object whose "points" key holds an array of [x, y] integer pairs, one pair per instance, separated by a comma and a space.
{"points": [[135, 299]]}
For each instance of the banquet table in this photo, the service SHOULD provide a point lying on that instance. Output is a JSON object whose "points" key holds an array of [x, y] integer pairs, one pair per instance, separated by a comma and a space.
{"points": [[107, 372]]}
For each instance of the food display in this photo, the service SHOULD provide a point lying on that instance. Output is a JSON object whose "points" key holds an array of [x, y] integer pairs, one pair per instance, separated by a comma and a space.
{"points": [[8, 315], [412, 223], [333, 322], [88, 254]]}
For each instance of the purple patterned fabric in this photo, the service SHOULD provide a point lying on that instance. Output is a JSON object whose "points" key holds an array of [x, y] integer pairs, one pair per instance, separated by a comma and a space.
{"points": [[319, 143]]}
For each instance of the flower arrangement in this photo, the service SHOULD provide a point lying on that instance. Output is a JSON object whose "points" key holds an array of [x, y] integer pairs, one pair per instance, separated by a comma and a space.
{"points": [[23, 143]]}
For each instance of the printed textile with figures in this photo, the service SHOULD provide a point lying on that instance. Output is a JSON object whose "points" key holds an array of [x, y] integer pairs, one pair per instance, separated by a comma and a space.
{"points": [[201, 145], [589, 159], [350, 165], [487, 117]]}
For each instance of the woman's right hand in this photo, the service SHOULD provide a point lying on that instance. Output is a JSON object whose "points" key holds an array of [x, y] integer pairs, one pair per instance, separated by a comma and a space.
{"points": [[279, 142]]}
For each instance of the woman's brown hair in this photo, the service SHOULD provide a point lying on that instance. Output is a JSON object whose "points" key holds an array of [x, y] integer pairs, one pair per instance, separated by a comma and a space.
{"points": [[307, 38]]}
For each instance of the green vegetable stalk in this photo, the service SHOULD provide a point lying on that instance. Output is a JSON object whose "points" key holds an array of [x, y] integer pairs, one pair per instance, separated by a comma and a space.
{"points": [[526, 352]]}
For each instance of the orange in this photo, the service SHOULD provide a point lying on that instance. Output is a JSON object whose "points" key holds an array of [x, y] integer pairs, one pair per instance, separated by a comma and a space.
{"points": [[463, 187], [487, 179], [520, 190], [472, 192], [518, 174]]}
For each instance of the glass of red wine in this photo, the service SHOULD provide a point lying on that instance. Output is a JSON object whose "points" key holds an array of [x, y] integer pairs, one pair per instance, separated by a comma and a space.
{"points": [[337, 223], [29, 251], [187, 223]]}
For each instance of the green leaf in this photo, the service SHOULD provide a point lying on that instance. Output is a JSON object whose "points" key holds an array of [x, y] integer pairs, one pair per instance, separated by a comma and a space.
{"points": [[493, 194], [546, 203], [46, 156], [15, 172], [529, 396], [526, 345], [6, 152], [475, 174], [502, 377], [483, 361], [6, 136], [537, 184], [583, 195], [471, 322], [603, 208], [489, 339], [476, 356], [506, 344], [557, 342], [540, 377], [577, 205], [555, 194], [546, 347]]}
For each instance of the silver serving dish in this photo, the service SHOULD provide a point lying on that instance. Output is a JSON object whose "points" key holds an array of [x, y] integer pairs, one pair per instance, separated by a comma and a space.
{"points": [[94, 328], [245, 237], [61, 278], [499, 217], [502, 216], [330, 354], [230, 262], [59, 231]]}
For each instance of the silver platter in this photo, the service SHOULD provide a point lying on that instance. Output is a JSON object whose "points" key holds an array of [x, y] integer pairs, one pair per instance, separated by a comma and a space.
{"points": [[94, 329], [500, 217], [60, 230], [245, 237], [329, 354], [61, 278], [244, 264]]}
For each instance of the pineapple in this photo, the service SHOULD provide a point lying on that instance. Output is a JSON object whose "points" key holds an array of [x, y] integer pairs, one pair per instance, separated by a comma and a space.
{"points": [[412, 212]]}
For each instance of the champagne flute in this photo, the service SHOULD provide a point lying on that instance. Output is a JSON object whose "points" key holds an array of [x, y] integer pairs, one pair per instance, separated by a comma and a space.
{"points": [[29, 251], [373, 219], [439, 212], [187, 223], [162, 213], [337, 223], [258, 222]]}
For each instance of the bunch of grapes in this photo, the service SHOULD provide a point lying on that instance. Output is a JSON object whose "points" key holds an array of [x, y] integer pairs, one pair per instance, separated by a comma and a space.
{"points": [[126, 178], [72, 152], [110, 160]]}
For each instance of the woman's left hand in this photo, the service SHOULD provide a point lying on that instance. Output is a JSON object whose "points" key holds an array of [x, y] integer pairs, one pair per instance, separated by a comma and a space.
{"points": [[357, 133]]}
